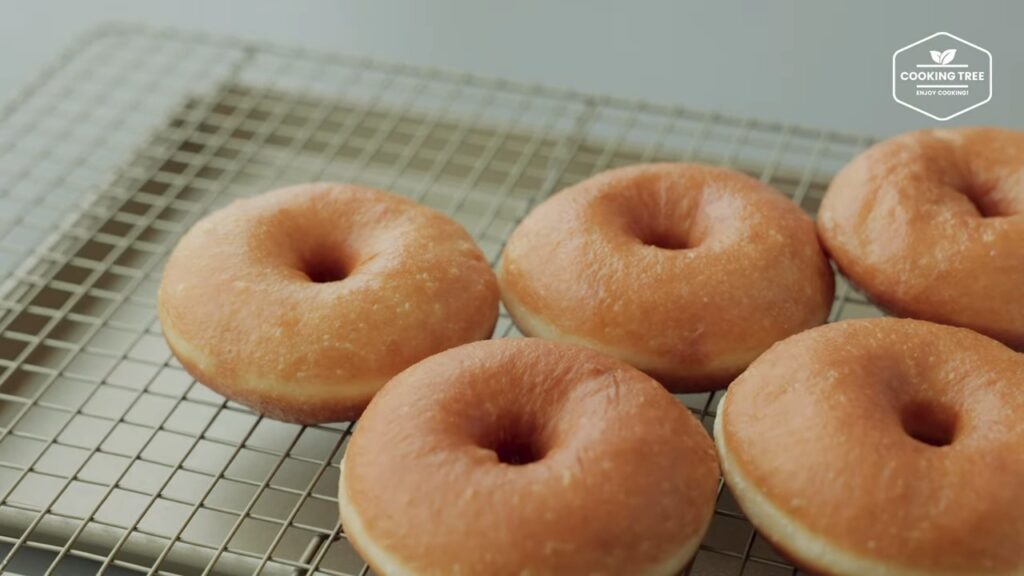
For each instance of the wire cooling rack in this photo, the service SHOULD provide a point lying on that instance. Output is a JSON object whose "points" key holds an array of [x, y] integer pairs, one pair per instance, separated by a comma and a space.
{"points": [[112, 459]]}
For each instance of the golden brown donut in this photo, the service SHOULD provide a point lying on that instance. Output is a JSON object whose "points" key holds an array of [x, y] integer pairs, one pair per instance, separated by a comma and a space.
{"points": [[685, 271], [524, 456], [930, 225], [302, 302], [884, 446]]}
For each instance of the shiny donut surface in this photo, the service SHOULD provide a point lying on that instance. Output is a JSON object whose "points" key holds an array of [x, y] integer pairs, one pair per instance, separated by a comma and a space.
{"points": [[883, 446], [685, 271], [525, 456], [302, 302], [930, 225]]}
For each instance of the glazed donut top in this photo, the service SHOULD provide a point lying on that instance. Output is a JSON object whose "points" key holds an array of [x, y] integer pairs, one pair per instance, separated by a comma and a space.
{"points": [[931, 225], [669, 266], [528, 456], [317, 294], [900, 440]]}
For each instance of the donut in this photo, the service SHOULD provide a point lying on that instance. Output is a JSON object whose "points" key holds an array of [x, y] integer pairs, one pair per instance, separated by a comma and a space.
{"points": [[884, 446], [930, 225], [685, 271], [301, 302], [525, 456]]}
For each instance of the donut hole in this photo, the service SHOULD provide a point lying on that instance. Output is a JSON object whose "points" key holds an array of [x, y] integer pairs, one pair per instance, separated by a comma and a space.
{"points": [[654, 213], [324, 269], [517, 445], [930, 423], [664, 231], [665, 239], [517, 451], [986, 201]]}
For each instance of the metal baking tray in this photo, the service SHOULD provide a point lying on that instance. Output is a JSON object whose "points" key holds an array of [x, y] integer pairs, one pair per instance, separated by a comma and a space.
{"points": [[112, 459]]}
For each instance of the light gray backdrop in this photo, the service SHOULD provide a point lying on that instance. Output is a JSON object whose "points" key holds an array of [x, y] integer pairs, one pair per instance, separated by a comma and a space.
{"points": [[822, 64]]}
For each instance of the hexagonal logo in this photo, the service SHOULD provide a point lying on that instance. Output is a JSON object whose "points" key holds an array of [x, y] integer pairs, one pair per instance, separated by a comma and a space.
{"points": [[942, 76]]}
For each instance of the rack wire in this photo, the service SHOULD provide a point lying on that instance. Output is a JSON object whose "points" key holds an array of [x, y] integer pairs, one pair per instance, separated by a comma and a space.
{"points": [[112, 459]]}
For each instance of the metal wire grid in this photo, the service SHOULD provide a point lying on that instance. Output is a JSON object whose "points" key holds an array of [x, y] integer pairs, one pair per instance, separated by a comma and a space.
{"points": [[109, 451]]}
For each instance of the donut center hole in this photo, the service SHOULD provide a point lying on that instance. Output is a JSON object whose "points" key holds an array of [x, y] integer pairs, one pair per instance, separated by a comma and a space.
{"points": [[929, 423], [665, 239], [517, 452], [987, 202], [322, 270], [659, 213], [518, 445]]}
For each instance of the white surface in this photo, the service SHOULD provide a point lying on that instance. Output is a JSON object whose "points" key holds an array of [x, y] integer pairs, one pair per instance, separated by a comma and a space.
{"points": [[821, 64]]}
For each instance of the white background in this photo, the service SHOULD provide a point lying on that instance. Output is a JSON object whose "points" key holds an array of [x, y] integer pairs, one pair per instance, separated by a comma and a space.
{"points": [[822, 64]]}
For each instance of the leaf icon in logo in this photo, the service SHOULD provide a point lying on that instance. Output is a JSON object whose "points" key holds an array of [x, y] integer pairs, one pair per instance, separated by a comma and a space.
{"points": [[936, 56], [948, 56]]}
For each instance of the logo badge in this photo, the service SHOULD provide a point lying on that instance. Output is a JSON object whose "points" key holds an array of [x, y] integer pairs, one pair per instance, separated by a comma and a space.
{"points": [[942, 76]]}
